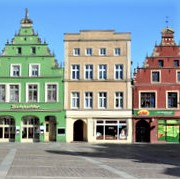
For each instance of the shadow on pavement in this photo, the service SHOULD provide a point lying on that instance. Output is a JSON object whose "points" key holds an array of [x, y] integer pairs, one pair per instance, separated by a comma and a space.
{"points": [[141, 153]]}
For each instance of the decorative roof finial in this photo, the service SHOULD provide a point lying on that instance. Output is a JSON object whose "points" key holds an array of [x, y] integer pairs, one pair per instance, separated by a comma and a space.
{"points": [[27, 14], [167, 21], [26, 21]]}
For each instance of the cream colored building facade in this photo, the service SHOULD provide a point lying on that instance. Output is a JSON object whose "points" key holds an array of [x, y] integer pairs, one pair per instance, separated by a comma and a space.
{"points": [[98, 94]]}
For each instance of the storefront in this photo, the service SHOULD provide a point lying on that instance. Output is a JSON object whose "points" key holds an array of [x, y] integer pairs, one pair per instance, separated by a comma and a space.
{"points": [[156, 126], [27, 124], [96, 128]]}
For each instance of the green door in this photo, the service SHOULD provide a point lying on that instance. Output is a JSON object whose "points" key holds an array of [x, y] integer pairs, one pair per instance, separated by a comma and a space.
{"points": [[172, 133]]}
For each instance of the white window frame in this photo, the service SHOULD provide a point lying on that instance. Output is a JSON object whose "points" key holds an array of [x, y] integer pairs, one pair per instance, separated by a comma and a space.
{"points": [[173, 91], [119, 98], [5, 93], [30, 69], [102, 71], [90, 100], [76, 52], [159, 76], [46, 92], [12, 70], [87, 51], [9, 97], [76, 71], [119, 71], [77, 100], [102, 52], [27, 92], [104, 106], [149, 91], [88, 71], [178, 71], [117, 51]]}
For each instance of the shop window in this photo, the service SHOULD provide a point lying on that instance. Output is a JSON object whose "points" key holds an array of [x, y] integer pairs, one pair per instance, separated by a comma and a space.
{"points": [[147, 100], [111, 130]]}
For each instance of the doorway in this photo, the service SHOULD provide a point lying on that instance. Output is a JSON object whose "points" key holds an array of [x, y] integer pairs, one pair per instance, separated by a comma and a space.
{"points": [[79, 131], [50, 133], [142, 131], [30, 129], [7, 129]]}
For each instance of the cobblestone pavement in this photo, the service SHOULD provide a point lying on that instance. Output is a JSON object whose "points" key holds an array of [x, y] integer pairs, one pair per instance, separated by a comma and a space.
{"points": [[89, 161]]}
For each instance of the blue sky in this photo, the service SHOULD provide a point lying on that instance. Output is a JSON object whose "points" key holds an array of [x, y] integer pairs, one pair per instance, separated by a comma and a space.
{"points": [[52, 18]]}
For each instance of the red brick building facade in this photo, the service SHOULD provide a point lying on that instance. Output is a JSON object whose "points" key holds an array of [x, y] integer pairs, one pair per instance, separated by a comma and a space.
{"points": [[156, 94]]}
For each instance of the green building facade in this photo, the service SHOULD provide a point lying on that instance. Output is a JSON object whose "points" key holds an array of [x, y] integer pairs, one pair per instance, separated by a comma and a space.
{"points": [[31, 90]]}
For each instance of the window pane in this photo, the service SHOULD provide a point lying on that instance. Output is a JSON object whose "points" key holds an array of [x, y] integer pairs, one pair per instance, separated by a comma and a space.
{"points": [[102, 72], [75, 72], [32, 93], [102, 100], [117, 51], [15, 70], [14, 93], [89, 72], [51, 93], [88, 100], [119, 72], [75, 100], [147, 100], [155, 76], [172, 100], [2, 93], [34, 70]]}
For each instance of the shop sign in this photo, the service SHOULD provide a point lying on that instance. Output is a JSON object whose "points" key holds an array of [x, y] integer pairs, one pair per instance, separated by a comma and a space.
{"points": [[145, 112], [25, 106]]}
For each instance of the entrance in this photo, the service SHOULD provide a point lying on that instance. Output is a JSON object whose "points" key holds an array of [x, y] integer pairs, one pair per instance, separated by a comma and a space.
{"points": [[30, 129], [7, 129], [79, 131], [142, 131], [50, 133]]}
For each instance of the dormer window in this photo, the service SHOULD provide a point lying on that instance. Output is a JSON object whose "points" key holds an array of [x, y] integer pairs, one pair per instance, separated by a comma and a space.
{"points": [[176, 63], [160, 63], [33, 50], [19, 50]]}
